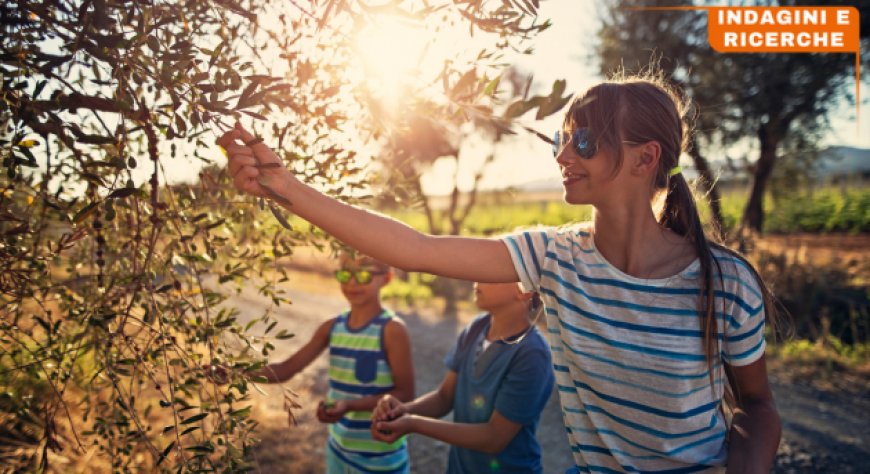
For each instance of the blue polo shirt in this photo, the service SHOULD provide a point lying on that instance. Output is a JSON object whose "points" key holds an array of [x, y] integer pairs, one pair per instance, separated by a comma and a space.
{"points": [[516, 380]]}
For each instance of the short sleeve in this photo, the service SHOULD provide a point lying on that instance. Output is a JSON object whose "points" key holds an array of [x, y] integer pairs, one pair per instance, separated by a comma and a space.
{"points": [[527, 385], [451, 360], [745, 320], [528, 250]]}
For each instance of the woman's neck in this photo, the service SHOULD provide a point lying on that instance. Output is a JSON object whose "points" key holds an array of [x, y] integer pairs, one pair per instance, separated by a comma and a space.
{"points": [[636, 244]]}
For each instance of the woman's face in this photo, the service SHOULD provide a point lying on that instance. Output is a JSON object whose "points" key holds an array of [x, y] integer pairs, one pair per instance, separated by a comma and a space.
{"points": [[585, 180]]}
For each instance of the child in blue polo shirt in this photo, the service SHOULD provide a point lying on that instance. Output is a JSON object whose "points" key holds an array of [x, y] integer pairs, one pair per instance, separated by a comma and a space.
{"points": [[500, 376]]}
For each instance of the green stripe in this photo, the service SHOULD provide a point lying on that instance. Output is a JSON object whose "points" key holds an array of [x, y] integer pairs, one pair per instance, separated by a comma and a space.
{"points": [[366, 446], [383, 379], [358, 415], [355, 341]]}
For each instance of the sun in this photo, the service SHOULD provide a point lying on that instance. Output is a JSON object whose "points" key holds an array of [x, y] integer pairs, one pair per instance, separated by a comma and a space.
{"points": [[392, 53]]}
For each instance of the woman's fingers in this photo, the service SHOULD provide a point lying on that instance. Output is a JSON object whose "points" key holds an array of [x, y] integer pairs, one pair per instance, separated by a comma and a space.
{"points": [[260, 149], [234, 149], [237, 163], [228, 138]]}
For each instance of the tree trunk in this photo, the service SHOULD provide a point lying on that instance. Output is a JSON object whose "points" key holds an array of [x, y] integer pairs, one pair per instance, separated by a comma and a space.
{"points": [[708, 186], [753, 215]]}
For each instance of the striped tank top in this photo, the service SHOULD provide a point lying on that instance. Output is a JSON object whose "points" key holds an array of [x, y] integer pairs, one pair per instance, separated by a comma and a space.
{"points": [[358, 368]]}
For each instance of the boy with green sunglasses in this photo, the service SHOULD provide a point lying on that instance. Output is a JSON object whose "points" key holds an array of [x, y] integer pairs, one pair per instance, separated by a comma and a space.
{"points": [[369, 357]]}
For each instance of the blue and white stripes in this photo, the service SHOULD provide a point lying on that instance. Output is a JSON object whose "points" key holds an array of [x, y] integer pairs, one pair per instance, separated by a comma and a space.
{"points": [[628, 353]]}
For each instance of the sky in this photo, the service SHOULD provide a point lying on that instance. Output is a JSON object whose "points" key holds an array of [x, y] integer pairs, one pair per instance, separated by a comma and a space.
{"points": [[564, 51]]}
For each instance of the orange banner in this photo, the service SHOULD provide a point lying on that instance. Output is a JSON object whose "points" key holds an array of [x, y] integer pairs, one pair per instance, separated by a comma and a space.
{"points": [[783, 29], [807, 29]]}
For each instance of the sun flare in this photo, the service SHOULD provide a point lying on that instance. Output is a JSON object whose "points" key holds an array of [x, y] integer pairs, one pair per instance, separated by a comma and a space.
{"points": [[392, 54]]}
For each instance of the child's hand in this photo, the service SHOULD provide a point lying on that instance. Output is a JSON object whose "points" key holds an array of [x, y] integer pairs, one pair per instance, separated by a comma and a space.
{"points": [[332, 411], [388, 408], [216, 373], [254, 167], [390, 431]]}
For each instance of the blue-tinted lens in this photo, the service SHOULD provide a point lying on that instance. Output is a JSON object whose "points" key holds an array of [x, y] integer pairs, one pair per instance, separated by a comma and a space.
{"points": [[583, 144], [581, 139]]}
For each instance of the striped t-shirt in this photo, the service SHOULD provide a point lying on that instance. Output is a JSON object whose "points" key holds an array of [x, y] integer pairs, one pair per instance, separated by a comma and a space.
{"points": [[358, 368], [630, 367]]}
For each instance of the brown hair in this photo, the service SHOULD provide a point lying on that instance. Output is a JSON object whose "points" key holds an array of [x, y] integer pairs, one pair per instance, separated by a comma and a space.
{"points": [[640, 109]]}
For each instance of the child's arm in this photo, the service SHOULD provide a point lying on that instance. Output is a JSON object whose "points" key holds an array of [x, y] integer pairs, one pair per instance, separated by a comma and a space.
{"points": [[756, 428], [258, 171], [491, 437], [282, 371], [397, 345], [434, 404]]}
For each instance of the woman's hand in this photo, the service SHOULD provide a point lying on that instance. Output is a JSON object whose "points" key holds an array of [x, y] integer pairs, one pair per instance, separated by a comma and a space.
{"points": [[253, 166]]}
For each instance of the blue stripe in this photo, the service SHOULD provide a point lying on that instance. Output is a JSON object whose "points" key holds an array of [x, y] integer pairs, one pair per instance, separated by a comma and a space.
{"points": [[648, 409], [631, 347], [358, 390], [637, 426], [345, 352], [661, 373], [532, 252], [749, 333], [633, 306], [338, 452], [578, 247], [597, 449], [519, 255], [356, 424], [725, 276], [625, 325], [580, 261], [682, 470], [653, 289], [658, 453], [645, 387], [582, 249], [747, 352]]}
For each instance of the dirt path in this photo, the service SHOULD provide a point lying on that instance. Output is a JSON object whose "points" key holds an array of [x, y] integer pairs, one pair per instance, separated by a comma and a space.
{"points": [[823, 430]]}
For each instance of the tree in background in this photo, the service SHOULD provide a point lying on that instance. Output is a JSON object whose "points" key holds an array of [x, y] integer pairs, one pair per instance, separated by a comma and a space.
{"points": [[623, 29], [111, 279], [779, 101], [428, 131]]}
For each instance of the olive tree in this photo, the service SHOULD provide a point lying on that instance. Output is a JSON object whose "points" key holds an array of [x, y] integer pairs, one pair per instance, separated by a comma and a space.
{"points": [[112, 279]]}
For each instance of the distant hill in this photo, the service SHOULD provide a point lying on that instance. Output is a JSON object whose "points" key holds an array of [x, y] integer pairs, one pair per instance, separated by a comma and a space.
{"points": [[844, 160], [835, 162]]}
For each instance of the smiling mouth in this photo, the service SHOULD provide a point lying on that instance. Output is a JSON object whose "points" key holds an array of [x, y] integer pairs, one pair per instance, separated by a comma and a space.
{"points": [[569, 177]]}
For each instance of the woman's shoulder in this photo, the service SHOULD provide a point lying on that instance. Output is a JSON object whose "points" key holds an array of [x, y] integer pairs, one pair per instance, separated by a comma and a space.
{"points": [[738, 277], [571, 229]]}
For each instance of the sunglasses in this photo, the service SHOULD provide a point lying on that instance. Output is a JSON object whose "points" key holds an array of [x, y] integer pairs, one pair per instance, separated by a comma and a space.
{"points": [[363, 277], [584, 145]]}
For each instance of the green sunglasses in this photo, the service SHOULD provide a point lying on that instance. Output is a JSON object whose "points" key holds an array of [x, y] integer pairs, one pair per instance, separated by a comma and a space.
{"points": [[584, 145], [363, 277]]}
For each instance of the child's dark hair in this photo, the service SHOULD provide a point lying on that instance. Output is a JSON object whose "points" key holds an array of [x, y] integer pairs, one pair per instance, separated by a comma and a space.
{"points": [[645, 108]]}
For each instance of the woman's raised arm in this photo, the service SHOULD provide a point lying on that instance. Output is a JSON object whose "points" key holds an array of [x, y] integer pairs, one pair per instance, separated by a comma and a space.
{"points": [[257, 170]]}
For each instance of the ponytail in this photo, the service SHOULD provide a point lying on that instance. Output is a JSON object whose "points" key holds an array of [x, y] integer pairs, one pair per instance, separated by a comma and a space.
{"points": [[642, 109]]}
